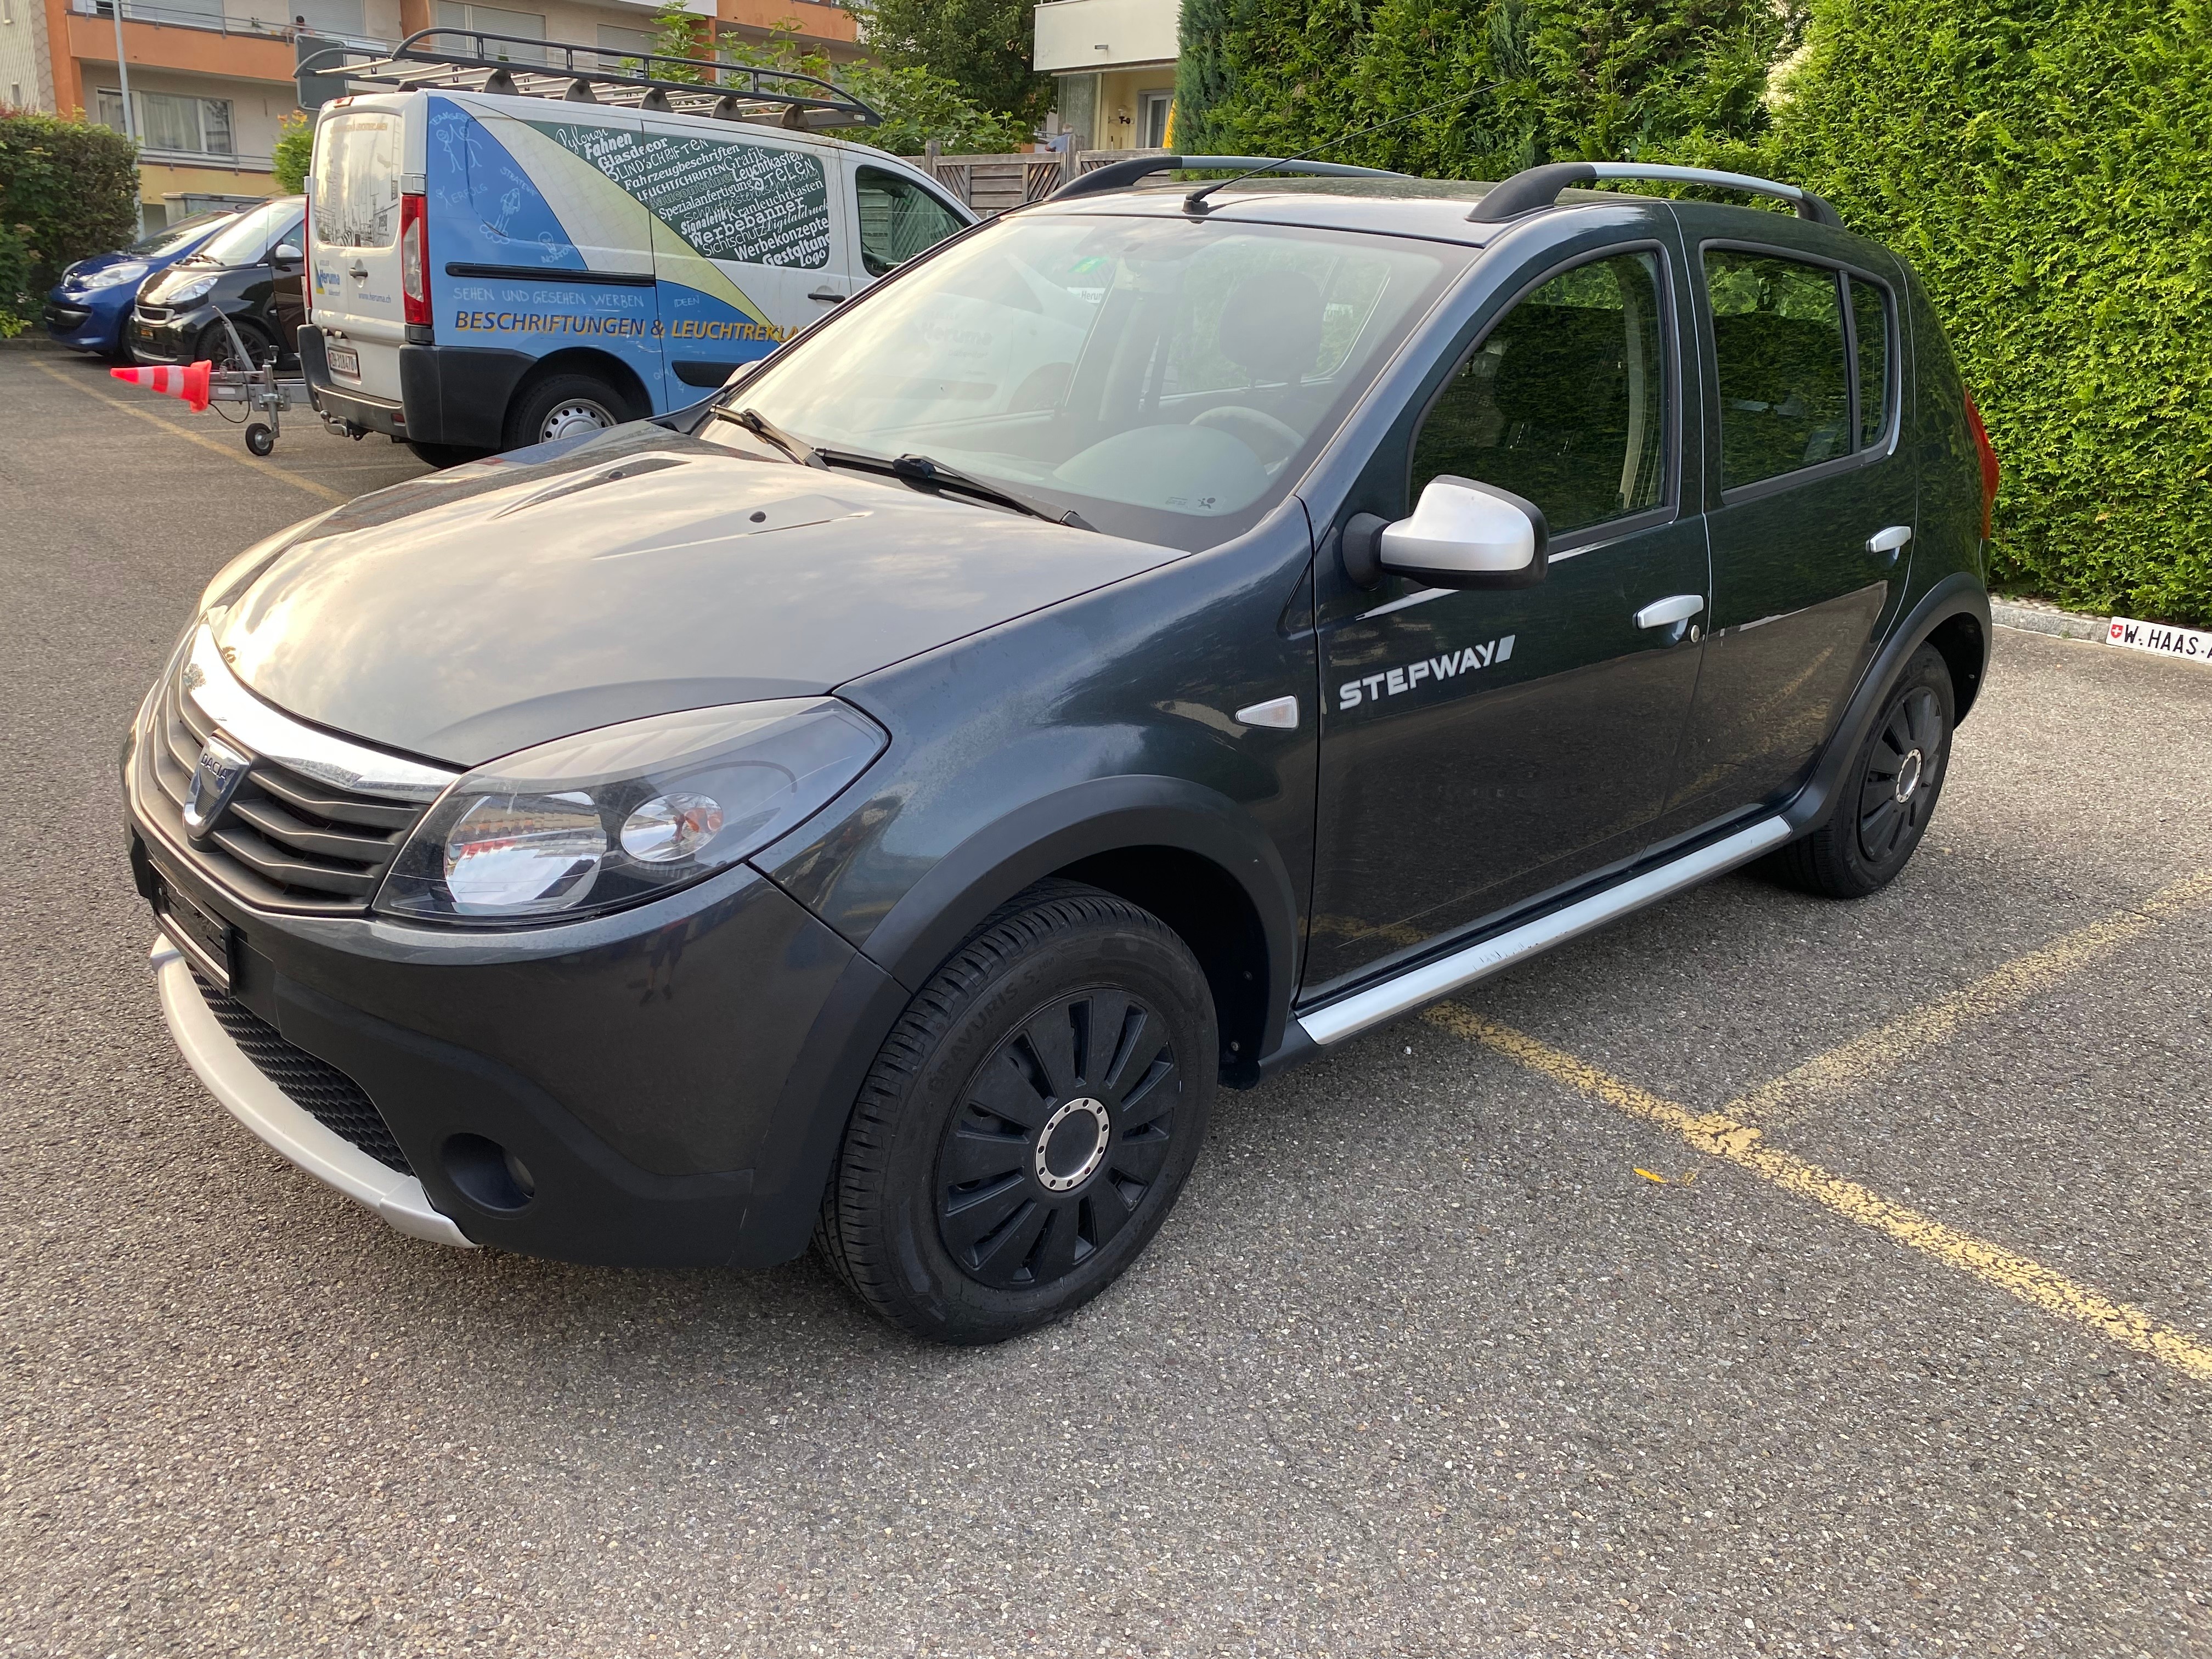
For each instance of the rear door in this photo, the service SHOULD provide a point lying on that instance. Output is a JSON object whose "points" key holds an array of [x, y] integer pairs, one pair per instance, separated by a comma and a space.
{"points": [[749, 240], [1816, 507], [353, 261]]}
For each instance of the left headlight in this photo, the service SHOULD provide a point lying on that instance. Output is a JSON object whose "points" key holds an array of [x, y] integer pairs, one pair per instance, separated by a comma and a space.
{"points": [[592, 823], [186, 293], [130, 270]]}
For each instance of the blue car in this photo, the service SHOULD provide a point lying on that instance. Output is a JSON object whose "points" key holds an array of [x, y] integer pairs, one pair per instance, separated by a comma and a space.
{"points": [[90, 308]]}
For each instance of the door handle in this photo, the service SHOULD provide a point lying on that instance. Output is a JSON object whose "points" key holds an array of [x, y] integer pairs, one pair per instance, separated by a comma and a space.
{"points": [[1678, 609], [828, 297], [359, 271], [1890, 540]]}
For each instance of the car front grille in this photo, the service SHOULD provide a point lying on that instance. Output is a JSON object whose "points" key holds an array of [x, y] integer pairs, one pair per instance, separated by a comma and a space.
{"points": [[323, 1092], [286, 842], [152, 313]]}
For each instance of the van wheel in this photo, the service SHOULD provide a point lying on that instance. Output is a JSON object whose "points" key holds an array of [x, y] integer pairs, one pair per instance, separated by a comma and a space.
{"points": [[445, 455], [1029, 1122], [564, 406], [1891, 793]]}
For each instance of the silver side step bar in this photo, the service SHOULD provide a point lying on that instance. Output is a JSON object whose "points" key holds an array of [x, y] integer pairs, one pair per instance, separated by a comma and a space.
{"points": [[1336, 1021]]}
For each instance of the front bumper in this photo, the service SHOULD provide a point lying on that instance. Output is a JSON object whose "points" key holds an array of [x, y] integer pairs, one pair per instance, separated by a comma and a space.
{"points": [[75, 321], [674, 1079], [257, 1102], [172, 338]]}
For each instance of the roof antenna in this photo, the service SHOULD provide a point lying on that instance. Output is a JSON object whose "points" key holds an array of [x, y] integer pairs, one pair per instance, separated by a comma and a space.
{"points": [[1195, 202]]}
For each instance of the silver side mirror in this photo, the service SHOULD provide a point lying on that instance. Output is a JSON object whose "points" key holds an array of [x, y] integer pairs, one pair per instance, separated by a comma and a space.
{"points": [[286, 253], [1463, 533]]}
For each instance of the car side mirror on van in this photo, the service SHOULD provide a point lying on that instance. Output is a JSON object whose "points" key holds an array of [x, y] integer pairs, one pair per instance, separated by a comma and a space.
{"points": [[286, 253], [1462, 533]]}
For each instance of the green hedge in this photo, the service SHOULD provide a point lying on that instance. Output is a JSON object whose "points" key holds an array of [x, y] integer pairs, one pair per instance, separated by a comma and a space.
{"points": [[2046, 164], [2047, 168], [67, 189]]}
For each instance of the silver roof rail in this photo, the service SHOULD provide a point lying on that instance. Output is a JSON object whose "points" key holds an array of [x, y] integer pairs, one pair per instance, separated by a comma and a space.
{"points": [[1539, 186], [651, 80]]}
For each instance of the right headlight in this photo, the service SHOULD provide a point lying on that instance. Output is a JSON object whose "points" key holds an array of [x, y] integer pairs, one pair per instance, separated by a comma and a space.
{"points": [[190, 293], [594, 822]]}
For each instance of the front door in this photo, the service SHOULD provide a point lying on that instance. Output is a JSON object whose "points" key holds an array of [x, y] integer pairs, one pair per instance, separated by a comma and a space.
{"points": [[1480, 747], [1810, 540]]}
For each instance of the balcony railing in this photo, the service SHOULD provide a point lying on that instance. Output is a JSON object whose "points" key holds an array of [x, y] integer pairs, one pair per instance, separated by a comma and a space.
{"points": [[278, 28]]}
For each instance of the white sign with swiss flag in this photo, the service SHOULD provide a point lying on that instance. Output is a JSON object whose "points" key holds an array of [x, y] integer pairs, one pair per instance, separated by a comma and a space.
{"points": [[2166, 642]]}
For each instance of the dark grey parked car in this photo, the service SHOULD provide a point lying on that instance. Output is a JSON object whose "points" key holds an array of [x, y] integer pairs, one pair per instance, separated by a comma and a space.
{"points": [[1154, 637]]}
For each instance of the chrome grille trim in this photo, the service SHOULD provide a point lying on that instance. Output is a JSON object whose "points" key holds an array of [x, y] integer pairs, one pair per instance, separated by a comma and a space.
{"points": [[313, 755]]}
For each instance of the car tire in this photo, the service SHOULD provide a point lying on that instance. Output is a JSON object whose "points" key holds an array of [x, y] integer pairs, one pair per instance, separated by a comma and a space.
{"points": [[1890, 792], [445, 455], [564, 406], [1028, 1123], [214, 344]]}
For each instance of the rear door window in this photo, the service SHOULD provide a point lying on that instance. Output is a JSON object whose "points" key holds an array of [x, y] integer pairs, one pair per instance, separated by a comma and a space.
{"points": [[1784, 368], [357, 181], [1564, 402]]}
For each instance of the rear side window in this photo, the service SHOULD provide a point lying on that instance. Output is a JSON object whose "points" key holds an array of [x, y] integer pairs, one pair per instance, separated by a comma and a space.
{"points": [[898, 220], [356, 193], [1564, 402], [1806, 359]]}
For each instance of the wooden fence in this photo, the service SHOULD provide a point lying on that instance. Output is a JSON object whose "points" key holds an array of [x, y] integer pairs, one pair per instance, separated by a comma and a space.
{"points": [[993, 184]]}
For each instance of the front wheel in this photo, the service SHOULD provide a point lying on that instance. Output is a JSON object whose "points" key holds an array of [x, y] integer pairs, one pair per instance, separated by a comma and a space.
{"points": [[1890, 793], [1029, 1122]]}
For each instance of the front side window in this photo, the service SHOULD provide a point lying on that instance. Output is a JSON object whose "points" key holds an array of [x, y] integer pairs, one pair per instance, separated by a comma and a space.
{"points": [[898, 220], [1784, 372], [1164, 378], [1564, 402]]}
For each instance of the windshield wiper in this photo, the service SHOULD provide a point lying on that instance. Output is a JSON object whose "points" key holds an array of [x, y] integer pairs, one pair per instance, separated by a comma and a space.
{"points": [[924, 473], [761, 427]]}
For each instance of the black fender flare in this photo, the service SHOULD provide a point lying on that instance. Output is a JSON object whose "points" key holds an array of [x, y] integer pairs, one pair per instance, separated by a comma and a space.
{"points": [[1958, 594], [1101, 815]]}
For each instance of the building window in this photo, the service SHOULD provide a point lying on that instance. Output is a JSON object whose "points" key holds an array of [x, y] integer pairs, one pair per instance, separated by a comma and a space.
{"points": [[167, 120], [343, 18], [1153, 109], [617, 43], [495, 19]]}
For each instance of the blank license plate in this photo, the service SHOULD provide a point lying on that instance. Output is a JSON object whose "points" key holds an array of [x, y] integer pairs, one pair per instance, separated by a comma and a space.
{"points": [[203, 938], [344, 360]]}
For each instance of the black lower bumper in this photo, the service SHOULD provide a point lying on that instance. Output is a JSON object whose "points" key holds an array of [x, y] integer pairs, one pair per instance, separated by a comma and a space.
{"points": [[675, 1083], [453, 396]]}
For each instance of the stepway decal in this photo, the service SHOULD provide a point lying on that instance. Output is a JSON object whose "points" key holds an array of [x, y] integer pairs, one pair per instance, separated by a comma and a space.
{"points": [[553, 322], [2186, 642], [1373, 688]]}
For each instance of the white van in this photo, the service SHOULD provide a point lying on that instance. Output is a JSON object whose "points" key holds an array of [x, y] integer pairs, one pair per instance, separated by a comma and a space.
{"points": [[506, 253]]}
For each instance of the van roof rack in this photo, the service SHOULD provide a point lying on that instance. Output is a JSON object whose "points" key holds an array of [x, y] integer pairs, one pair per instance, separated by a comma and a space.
{"points": [[651, 80], [1117, 175], [1539, 186]]}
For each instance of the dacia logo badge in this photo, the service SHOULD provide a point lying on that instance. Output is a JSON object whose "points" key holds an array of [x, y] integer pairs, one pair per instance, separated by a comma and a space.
{"points": [[215, 780]]}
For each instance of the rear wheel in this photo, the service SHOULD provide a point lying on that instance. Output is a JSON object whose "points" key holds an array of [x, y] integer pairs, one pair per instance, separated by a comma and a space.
{"points": [[564, 406], [1029, 1122], [1891, 797]]}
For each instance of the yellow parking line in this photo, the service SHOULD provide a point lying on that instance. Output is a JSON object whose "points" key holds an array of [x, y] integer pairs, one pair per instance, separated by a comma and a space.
{"points": [[205, 442], [1719, 1135], [2006, 986]]}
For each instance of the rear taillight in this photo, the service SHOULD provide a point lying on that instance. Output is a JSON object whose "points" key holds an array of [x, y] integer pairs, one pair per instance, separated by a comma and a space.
{"points": [[415, 260], [1989, 457]]}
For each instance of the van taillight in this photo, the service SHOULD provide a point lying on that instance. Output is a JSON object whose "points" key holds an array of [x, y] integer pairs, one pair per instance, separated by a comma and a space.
{"points": [[414, 260], [1988, 459]]}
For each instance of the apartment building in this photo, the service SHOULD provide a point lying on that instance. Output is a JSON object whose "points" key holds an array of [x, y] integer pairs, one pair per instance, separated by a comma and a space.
{"points": [[1115, 61], [211, 81]]}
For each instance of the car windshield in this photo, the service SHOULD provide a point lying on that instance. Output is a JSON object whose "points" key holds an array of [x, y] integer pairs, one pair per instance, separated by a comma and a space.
{"points": [[243, 241], [182, 234], [1166, 380]]}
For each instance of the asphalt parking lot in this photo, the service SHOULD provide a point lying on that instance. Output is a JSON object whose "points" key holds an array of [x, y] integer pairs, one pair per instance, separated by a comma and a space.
{"points": [[1764, 1275]]}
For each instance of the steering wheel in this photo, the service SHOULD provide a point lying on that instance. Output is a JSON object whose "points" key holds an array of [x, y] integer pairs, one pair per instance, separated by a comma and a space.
{"points": [[1268, 438]]}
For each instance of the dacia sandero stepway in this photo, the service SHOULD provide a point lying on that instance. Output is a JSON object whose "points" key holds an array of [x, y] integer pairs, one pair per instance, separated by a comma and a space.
{"points": [[1152, 638]]}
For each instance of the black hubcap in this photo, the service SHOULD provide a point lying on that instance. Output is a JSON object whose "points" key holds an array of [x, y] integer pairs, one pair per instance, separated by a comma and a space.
{"points": [[1896, 796], [1063, 1132]]}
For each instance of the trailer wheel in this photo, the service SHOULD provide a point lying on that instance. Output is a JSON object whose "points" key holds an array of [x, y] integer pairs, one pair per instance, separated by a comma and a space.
{"points": [[259, 438]]}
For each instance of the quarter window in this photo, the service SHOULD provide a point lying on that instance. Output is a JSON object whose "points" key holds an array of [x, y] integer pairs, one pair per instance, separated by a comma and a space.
{"points": [[1564, 401], [1870, 334], [898, 220], [1784, 371]]}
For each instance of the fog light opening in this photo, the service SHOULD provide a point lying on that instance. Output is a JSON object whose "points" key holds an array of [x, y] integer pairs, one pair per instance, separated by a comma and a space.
{"points": [[488, 1176]]}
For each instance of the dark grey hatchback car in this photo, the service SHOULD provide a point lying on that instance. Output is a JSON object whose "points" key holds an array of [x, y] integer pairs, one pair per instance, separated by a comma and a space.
{"points": [[1143, 643]]}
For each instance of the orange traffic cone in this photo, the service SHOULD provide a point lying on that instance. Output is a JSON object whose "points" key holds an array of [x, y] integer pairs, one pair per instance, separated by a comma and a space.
{"points": [[189, 382]]}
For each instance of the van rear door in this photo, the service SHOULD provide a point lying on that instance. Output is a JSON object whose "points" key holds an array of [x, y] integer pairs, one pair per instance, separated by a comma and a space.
{"points": [[354, 219]]}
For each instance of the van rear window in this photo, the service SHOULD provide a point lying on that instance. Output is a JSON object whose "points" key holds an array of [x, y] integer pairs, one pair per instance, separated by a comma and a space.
{"points": [[357, 181]]}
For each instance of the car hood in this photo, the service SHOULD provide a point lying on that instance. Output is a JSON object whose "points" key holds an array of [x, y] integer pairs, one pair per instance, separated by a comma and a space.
{"points": [[474, 613]]}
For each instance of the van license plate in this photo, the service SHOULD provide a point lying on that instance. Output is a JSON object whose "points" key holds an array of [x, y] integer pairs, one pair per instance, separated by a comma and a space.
{"points": [[343, 360]]}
